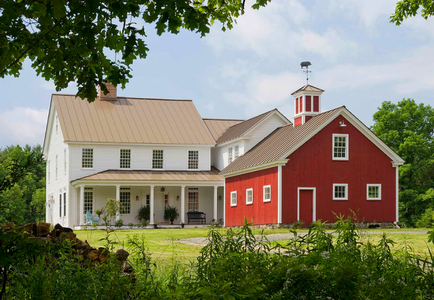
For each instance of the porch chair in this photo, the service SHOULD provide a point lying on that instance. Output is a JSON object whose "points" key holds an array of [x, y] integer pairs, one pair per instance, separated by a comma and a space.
{"points": [[91, 219]]}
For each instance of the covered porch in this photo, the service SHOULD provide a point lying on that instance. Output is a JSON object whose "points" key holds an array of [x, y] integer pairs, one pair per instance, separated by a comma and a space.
{"points": [[185, 190]]}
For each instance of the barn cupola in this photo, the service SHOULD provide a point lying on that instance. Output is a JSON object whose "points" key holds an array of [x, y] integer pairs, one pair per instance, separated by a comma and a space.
{"points": [[307, 103]]}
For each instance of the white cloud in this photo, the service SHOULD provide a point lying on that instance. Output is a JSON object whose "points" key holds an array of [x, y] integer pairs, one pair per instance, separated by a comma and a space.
{"points": [[23, 125]]}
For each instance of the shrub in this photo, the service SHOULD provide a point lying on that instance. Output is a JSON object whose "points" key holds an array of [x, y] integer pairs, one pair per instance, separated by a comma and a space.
{"points": [[427, 219], [143, 213], [119, 223]]}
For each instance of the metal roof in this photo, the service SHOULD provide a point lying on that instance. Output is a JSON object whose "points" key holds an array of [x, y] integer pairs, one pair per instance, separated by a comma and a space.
{"points": [[148, 175], [239, 129], [218, 126], [309, 88], [131, 120], [279, 142]]}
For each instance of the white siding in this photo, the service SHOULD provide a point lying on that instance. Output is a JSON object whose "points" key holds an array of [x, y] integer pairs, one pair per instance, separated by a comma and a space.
{"points": [[57, 184], [263, 130], [107, 157]]}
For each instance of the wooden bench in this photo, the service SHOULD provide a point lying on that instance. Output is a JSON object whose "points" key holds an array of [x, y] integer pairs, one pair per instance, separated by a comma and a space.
{"points": [[196, 215]]}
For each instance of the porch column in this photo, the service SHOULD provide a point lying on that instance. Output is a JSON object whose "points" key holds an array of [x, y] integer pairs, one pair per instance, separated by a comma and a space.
{"points": [[183, 204], [215, 204], [118, 197], [81, 208], [151, 213]]}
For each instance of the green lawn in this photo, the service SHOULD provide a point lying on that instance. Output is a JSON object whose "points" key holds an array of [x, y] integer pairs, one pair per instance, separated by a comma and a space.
{"points": [[164, 244]]}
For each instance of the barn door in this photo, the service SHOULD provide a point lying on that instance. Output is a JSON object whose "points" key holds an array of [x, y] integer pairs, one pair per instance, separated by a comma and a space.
{"points": [[306, 208]]}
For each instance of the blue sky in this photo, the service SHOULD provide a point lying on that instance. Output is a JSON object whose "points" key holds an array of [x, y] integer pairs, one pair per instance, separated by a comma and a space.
{"points": [[357, 56]]}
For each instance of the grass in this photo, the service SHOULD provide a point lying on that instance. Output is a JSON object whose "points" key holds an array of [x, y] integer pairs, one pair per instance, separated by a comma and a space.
{"points": [[164, 244]]}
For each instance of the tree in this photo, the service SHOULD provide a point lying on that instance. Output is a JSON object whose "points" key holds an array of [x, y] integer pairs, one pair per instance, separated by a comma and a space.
{"points": [[22, 184], [73, 40], [410, 8], [408, 128]]}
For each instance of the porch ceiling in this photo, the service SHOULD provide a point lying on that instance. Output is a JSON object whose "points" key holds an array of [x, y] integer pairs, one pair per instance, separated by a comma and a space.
{"points": [[154, 176]]}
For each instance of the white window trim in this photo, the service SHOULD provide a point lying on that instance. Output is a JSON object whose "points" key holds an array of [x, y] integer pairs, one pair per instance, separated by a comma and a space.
{"points": [[347, 142], [232, 203], [247, 192], [131, 158], [263, 191], [236, 149], [346, 191], [152, 159], [93, 159], [373, 185]]}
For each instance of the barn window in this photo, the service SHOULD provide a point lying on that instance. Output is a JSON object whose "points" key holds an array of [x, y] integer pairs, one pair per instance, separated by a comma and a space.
{"points": [[340, 191], [234, 198], [373, 191], [267, 193], [340, 146], [249, 196]]}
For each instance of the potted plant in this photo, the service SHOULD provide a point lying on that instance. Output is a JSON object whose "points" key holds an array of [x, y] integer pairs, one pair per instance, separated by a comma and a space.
{"points": [[170, 213], [298, 224], [143, 214]]}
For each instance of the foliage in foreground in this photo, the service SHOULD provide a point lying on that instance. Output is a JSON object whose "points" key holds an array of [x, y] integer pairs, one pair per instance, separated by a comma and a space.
{"points": [[319, 265]]}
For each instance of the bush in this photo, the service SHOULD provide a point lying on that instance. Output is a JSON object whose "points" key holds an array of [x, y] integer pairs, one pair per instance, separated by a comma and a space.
{"points": [[143, 213], [119, 223], [427, 219]]}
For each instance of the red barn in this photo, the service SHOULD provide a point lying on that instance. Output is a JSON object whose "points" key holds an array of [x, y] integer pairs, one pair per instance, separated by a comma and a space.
{"points": [[325, 163]]}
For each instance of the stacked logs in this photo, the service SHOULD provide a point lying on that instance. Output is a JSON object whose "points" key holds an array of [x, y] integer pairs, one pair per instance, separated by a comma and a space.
{"points": [[85, 253]]}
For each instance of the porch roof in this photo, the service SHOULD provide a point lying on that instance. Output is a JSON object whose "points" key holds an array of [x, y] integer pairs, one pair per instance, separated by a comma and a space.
{"points": [[153, 176]]}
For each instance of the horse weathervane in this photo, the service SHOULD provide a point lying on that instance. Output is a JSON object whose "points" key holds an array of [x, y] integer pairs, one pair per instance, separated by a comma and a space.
{"points": [[305, 67]]}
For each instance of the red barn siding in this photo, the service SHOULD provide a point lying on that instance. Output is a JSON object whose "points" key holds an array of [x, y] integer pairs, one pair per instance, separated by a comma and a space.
{"points": [[260, 212], [312, 166], [301, 104], [307, 118], [296, 106], [298, 121]]}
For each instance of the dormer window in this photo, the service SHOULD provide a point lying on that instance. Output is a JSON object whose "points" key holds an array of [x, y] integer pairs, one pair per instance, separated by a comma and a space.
{"points": [[125, 159], [236, 152], [230, 155], [340, 146]]}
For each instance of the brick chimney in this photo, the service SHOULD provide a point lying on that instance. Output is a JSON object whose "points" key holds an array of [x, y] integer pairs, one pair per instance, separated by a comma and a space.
{"points": [[307, 103], [111, 95]]}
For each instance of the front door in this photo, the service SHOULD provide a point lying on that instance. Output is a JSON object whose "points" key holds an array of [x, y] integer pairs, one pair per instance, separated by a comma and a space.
{"points": [[306, 205]]}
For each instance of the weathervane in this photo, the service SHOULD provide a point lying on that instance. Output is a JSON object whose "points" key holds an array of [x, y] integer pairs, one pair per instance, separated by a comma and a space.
{"points": [[305, 67]]}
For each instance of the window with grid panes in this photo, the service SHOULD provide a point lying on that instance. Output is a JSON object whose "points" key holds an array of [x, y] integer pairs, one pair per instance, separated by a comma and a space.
{"points": [[193, 159], [340, 146], [249, 196], [125, 200], [87, 158], [236, 152], [125, 159], [340, 191], [230, 155], [88, 200], [193, 199], [267, 193], [157, 159], [374, 191]]}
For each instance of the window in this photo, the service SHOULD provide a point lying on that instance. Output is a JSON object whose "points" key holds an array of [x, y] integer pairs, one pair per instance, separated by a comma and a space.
{"points": [[340, 146], [267, 193], [57, 124], [157, 159], [64, 204], [373, 192], [57, 166], [193, 159], [230, 155], [249, 196], [88, 200], [340, 191], [148, 200], [64, 161], [49, 171], [125, 159], [236, 152], [125, 200], [233, 198], [193, 199], [87, 158], [60, 205]]}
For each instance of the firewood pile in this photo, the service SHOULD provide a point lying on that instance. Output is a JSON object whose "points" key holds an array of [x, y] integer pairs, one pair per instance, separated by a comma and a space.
{"points": [[84, 252]]}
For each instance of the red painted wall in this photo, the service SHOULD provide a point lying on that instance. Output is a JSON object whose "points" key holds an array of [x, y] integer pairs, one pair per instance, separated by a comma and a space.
{"points": [[261, 212], [316, 103], [312, 166], [308, 103], [298, 121]]}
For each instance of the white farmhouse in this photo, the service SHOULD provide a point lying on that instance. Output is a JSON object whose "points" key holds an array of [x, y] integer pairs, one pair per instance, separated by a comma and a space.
{"points": [[141, 152]]}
